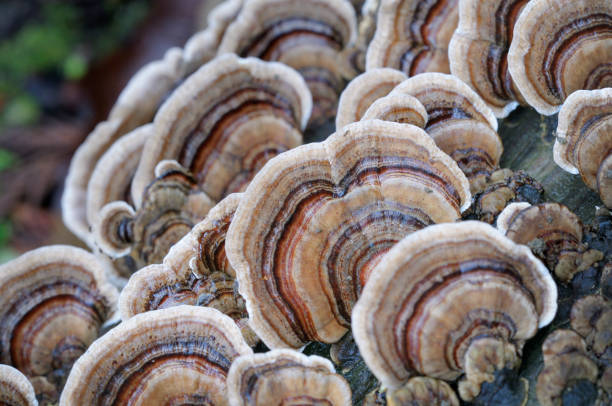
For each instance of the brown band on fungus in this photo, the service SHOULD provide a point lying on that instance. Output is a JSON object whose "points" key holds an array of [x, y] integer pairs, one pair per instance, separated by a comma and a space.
{"points": [[53, 302], [591, 317], [413, 36], [225, 121], [479, 47], [459, 121], [169, 356], [286, 377], [565, 363], [560, 47], [195, 272], [551, 230], [364, 90], [398, 108], [171, 205], [439, 293], [423, 391], [308, 35], [15, 389], [335, 207], [584, 138]]}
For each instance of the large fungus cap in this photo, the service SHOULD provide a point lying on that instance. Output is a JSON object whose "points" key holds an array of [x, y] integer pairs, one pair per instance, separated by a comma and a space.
{"points": [[447, 298], [561, 46], [111, 179], [308, 35], [282, 377], [584, 138], [179, 355], [195, 271], [170, 207], [15, 389], [565, 363], [459, 121], [364, 90], [479, 47], [225, 121], [423, 391], [53, 302], [551, 230], [335, 207], [413, 36]]}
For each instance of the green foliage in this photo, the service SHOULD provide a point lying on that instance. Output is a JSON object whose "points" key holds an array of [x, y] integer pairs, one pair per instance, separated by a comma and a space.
{"points": [[7, 160]]}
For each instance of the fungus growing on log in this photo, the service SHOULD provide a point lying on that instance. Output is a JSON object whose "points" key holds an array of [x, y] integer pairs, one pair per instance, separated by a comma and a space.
{"points": [[449, 300], [179, 355], [558, 47], [53, 302], [335, 207], [284, 376]]}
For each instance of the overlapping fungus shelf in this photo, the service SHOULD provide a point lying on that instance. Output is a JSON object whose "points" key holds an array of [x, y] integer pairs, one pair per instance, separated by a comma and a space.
{"points": [[478, 51], [335, 207], [179, 355], [286, 377], [364, 90], [170, 207], [225, 121], [460, 123], [53, 302], [306, 35], [423, 391], [15, 389], [413, 36], [195, 271], [560, 46], [452, 300], [584, 138]]}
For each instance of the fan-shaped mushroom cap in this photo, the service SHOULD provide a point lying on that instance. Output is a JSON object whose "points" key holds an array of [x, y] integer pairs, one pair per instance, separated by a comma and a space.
{"points": [[560, 46], [179, 355], [171, 205], [53, 301], [285, 377], [225, 121], [15, 389], [423, 391], [398, 108], [479, 47], [565, 362], [308, 35], [551, 230], [459, 121], [112, 177], [413, 36], [335, 207], [364, 90], [445, 298], [584, 138], [591, 317], [195, 271]]}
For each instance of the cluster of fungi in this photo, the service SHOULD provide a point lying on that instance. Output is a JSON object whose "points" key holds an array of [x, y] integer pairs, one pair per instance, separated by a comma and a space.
{"points": [[221, 244]]}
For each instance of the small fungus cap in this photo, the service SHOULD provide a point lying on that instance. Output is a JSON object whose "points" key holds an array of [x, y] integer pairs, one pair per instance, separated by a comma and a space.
{"points": [[15, 389], [285, 377]]}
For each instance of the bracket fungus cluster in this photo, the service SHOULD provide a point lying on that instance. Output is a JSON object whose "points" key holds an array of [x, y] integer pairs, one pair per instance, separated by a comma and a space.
{"points": [[584, 137], [554, 234], [179, 355], [15, 389], [53, 303], [478, 51], [335, 207], [308, 35], [195, 272], [284, 376], [422, 391], [558, 47], [452, 299], [413, 36]]}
